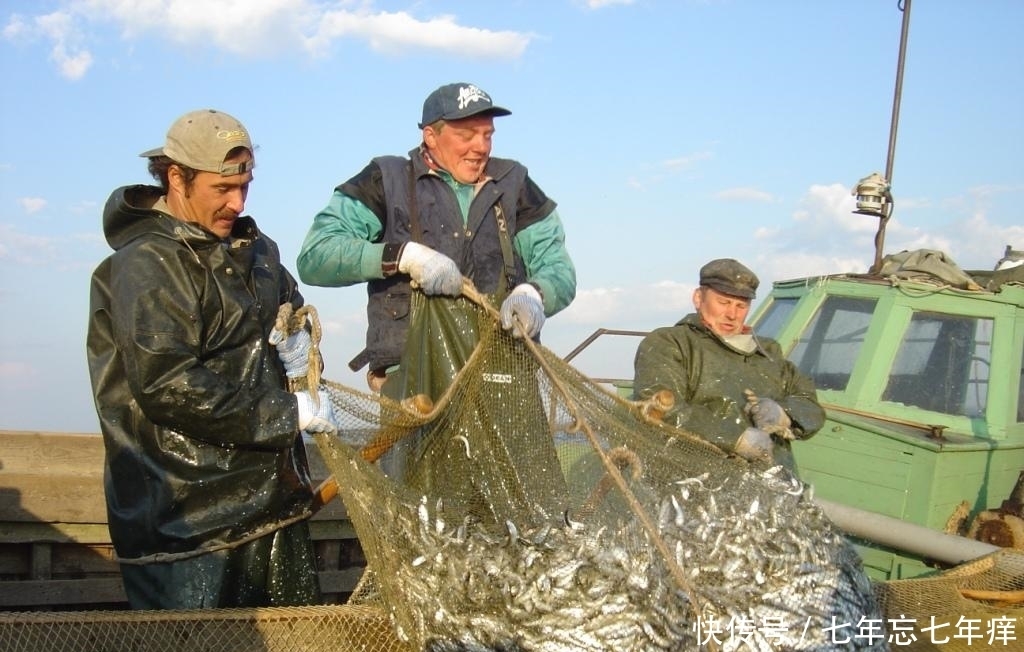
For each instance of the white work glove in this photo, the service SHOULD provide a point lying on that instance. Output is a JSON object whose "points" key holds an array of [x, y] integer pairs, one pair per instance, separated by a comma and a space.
{"points": [[755, 445], [768, 415], [433, 272], [313, 418], [524, 304], [293, 351]]}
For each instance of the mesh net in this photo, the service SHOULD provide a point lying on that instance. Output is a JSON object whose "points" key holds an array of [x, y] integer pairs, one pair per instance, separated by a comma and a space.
{"points": [[976, 605], [528, 507], [278, 629]]}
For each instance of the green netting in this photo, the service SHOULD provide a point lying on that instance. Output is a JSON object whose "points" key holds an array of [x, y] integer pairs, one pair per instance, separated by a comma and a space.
{"points": [[530, 508]]}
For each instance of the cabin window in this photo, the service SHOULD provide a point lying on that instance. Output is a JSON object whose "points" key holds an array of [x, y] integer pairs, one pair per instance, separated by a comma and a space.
{"points": [[943, 364], [830, 345], [770, 323]]}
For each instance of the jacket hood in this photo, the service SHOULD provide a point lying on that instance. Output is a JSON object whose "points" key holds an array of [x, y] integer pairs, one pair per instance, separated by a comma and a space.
{"points": [[129, 214]]}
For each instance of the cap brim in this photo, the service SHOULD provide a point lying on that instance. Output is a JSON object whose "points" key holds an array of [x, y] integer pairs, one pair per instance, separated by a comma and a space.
{"points": [[498, 111], [494, 111], [731, 291], [159, 151]]}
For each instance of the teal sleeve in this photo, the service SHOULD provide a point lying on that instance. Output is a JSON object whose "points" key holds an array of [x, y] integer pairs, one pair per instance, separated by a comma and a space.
{"points": [[542, 247], [342, 246]]}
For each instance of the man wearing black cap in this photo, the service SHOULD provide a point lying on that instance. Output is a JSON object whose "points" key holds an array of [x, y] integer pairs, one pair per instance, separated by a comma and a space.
{"points": [[446, 211], [730, 387]]}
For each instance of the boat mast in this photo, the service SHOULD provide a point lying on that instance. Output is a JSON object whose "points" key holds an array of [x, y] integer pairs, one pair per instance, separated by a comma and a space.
{"points": [[873, 192]]}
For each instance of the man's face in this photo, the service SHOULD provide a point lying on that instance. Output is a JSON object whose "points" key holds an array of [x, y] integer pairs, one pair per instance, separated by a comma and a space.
{"points": [[212, 200], [462, 147], [723, 313]]}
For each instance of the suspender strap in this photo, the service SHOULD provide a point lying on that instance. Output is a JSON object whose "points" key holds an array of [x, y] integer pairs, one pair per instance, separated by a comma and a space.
{"points": [[414, 214], [506, 248]]}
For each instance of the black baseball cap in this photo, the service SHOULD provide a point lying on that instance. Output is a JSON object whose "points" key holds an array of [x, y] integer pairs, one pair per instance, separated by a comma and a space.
{"points": [[456, 101]]}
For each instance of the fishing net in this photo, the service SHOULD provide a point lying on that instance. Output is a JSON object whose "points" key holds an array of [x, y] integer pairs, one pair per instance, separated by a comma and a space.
{"points": [[976, 605], [504, 501]]}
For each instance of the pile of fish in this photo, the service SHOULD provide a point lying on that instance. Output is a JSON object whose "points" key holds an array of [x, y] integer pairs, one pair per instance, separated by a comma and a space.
{"points": [[762, 572]]}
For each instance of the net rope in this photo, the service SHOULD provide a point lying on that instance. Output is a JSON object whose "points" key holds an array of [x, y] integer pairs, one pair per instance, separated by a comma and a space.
{"points": [[527, 507], [535, 509]]}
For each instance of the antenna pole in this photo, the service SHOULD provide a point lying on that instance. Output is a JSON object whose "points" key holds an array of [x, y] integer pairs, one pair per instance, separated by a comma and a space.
{"points": [[904, 6]]}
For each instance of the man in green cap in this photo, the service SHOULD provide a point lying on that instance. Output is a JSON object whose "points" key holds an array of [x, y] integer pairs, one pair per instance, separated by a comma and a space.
{"points": [[730, 387]]}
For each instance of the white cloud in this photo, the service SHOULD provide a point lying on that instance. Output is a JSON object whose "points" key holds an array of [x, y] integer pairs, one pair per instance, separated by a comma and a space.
{"points": [[22, 248], [61, 29], [687, 162], [826, 237], [16, 28], [398, 32], [594, 306], [652, 303], [16, 369], [600, 4], [32, 204], [258, 28]]}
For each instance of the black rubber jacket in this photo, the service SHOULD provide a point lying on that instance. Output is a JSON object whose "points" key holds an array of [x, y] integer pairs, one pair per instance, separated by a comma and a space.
{"points": [[201, 434]]}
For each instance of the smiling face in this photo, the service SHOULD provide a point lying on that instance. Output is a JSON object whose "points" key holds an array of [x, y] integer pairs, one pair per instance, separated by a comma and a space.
{"points": [[210, 200], [724, 314], [462, 147]]}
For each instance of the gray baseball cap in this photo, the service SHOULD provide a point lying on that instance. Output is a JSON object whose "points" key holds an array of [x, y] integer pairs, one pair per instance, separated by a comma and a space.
{"points": [[457, 101], [730, 277], [202, 140]]}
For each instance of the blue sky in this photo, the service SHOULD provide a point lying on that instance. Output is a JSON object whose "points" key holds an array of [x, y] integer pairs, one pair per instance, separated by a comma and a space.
{"points": [[669, 132]]}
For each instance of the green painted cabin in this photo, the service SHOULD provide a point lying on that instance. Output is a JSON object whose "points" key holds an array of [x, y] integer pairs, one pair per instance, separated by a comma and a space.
{"points": [[923, 383]]}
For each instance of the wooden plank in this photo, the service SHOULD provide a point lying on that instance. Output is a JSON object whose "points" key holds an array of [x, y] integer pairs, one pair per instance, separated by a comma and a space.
{"points": [[330, 530], [14, 561], [44, 453], [42, 561], [52, 497], [34, 593], [26, 532], [58, 477], [340, 581], [98, 534]]}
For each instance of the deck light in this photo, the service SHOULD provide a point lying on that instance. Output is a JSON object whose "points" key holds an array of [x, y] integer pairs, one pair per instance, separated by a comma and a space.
{"points": [[873, 196]]}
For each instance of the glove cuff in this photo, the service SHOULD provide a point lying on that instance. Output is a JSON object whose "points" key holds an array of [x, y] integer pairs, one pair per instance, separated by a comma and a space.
{"points": [[306, 411], [408, 255], [389, 259], [531, 290]]}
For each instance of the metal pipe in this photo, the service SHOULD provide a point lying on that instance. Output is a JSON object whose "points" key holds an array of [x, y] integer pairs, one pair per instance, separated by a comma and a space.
{"points": [[898, 92], [908, 537], [893, 126]]}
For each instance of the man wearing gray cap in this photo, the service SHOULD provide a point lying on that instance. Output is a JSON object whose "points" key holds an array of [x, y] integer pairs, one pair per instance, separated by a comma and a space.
{"points": [[206, 478], [729, 386]]}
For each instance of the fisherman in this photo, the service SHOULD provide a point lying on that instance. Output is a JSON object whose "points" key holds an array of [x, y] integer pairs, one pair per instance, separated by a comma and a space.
{"points": [[448, 210], [731, 387], [206, 477]]}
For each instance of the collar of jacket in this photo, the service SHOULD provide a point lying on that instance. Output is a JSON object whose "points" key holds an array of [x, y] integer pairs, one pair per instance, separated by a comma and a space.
{"points": [[129, 214], [694, 321], [496, 167]]}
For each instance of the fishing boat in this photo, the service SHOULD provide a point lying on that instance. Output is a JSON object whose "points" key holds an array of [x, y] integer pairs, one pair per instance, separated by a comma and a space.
{"points": [[918, 363], [920, 367]]}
